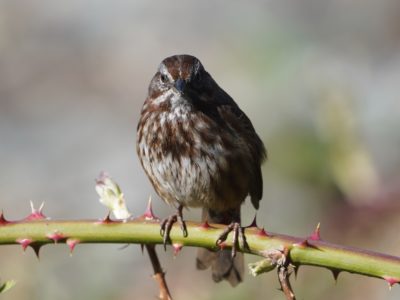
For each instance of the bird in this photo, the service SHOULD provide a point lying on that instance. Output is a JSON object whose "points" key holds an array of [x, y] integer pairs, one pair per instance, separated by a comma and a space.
{"points": [[199, 149]]}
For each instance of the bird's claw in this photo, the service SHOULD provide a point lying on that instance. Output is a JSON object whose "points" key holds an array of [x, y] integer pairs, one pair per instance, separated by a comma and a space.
{"points": [[167, 223], [238, 239]]}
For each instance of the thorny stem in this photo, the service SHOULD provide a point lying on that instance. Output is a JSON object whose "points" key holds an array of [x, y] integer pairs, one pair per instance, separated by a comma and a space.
{"points": [[284, 274], [159, 274], [301, 251]]}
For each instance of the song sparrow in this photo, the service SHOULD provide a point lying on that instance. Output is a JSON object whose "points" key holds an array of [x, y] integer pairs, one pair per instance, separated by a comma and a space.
{"points": [[200, 150]]}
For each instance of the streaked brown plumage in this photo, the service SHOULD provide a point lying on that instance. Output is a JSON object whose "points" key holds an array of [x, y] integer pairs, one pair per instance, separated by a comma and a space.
{"points": [[200, 150]]}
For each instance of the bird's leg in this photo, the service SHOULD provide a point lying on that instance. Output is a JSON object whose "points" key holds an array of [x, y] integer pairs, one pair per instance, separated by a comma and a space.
{"points": [[238, 239], [166, 225]]}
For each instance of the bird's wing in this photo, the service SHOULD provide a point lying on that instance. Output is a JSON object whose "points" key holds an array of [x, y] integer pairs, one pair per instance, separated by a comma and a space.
{"points": [[239, 122]]}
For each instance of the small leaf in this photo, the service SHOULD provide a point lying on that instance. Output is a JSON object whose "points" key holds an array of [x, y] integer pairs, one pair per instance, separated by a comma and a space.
{"points": [[111, 196], [262, 266], [7, 285]]}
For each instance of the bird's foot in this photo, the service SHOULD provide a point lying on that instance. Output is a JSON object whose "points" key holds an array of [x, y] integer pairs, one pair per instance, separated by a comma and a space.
{"points": [[166, 226], [238, 239]]}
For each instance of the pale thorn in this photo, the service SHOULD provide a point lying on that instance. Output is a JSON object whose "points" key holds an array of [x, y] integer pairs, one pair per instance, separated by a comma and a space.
{"points": [[33, 209], [32, 206]]}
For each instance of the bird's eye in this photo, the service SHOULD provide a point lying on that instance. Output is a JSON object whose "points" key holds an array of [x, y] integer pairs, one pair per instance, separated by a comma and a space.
{"points": [[164, 78]]}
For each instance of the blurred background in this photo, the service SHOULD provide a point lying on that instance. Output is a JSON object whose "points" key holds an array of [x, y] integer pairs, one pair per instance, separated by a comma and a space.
{"points": [[319, 80]]}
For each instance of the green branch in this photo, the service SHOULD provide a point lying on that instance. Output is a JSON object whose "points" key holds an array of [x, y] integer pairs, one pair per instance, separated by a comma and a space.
{"points": [[299, 251]]}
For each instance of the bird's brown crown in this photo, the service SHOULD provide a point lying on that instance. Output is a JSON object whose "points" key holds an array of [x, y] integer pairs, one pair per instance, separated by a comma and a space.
{"points": [[182, 66]]}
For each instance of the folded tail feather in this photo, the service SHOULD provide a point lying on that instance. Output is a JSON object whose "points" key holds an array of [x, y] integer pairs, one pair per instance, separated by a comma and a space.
{"points": [[223, 266]]}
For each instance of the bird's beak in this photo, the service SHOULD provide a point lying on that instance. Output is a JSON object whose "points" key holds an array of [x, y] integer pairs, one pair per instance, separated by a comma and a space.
{"points": [[180, 85]]}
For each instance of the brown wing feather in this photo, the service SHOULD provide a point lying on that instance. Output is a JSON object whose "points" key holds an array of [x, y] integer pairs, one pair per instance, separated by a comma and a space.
{"points": [[214, 102], [242, 124]]}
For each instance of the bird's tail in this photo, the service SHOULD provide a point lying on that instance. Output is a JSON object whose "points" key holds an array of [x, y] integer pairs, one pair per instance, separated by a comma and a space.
{"points": [[223, 266]]}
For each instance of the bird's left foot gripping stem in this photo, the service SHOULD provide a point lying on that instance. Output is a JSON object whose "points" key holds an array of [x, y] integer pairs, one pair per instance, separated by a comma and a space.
{"points": [[238, 239], [166, 225]]}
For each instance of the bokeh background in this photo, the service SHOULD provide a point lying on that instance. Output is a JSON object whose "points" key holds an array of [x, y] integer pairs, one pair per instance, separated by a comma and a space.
{"points": [[319, 79]]}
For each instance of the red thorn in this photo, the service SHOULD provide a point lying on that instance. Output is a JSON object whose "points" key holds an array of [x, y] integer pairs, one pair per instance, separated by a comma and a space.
{"points": [[222, 245], [71, 244], [24, 243], [302, 244], [149, 214], [335, 274], [253, 223], [391, 280], [55, 236], [3, 220], [261, 232], [205, 225], [177, 248], [315, 236], [106, 219], [36, 214]]}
